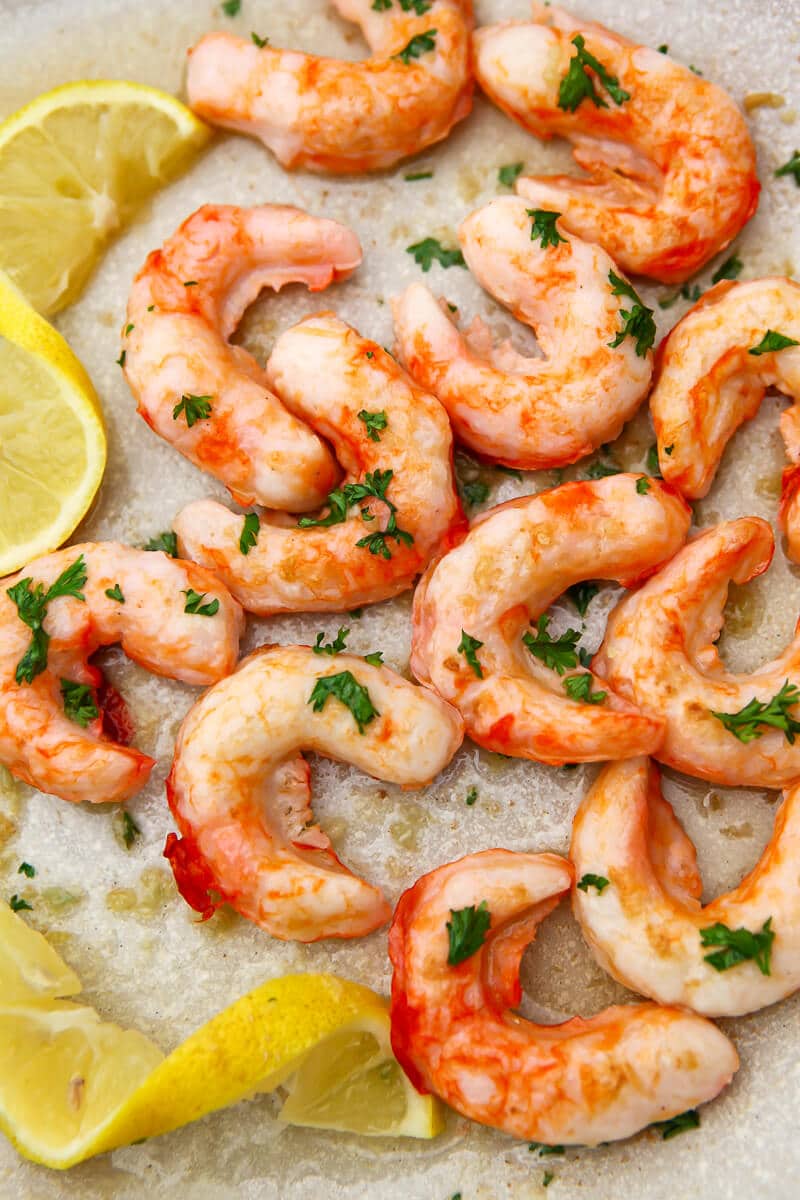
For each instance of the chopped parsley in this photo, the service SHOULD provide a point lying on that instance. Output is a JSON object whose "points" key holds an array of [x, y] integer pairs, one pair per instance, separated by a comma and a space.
{"points": [[730, 269], [669, 449], [420, 7], [601, 470], [543, 227], [249, 534], [375, 659], [471, 797], [32, 609], [643, 485], [771, 342], [115, 593], [692, 294], [121, 360], [544, 1150], [577, 85], [261, 42], [596, 881], [675, 1125], [195, 606], [582, 595], [579, 687], [194, 409], [559, 654], [338, 644], [652, 463], [375, 423], [340, 501], [663, 48], [547, 1178], [353, 695], [508, 174], [467, 932], [421, 43], [129, 329], [638, 321], [469, 647], [190, 283], [746, 723], [231, 8], [17, 904], [473, 492], [79, 702], [415, 176], [738, 945], [130, 830], [166, 542], [792, 167], [430, 250], [26, 869]]}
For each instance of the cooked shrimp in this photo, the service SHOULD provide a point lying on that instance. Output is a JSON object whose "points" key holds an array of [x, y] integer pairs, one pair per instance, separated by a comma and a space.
{"points": [[454, 1031], [210, 399], [324, 114], [647, 926], [172, 617], [713, 370], [672, 167], [659, 653], [471, 609], [521, 411], [398, 505], [240, 794]]}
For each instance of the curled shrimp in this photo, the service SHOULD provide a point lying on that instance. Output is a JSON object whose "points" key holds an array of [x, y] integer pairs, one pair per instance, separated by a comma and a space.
{"points": [[530, 412], [240, 792], [325, 114], [455, 1033], [672, 168], [210, 399], [172, 617], [526, 695], [712, 372], [396, 508], [659, 651], [647, 926]]}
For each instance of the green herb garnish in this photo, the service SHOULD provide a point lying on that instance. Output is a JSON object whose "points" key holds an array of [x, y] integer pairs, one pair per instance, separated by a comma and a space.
{"points": [[79, 702], [577, 85], [375, 423], [746, 723], [596, 881], [469, 647], [346, 688], [166, 542], [194, 409], [543, 227], [582, 595], [508, 174], [115, 593], [338, 644], [17, 904], [421, 43], [559, 654], [738, 945], [680, 1124], [792, 167], [637, 321], [730, 269], [249, 534], [430, 250], [467, 932], [32, 609], [195, 606], [26, 869], [771, 342], [579, 687]]}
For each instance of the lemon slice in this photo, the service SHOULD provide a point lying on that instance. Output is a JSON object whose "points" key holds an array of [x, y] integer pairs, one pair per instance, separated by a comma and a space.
{"points": [[72, 1086], [75, 164], [52, 440]]}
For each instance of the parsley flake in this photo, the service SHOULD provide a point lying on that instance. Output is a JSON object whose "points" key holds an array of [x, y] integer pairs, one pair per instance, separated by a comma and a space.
{"points": [[675, 1125], [547, 1178], [652, 463], [545, 1151], [166, 542], [601, 470], [194, 409], [738, 945], [473, 492], [17, 904], [543, 226], [559, 654], [26, 869], [469, 647], [582, 595], [577, 85], [249, 534], [195, 606], [642, 485], [730, 269], [121, 360], [596, 881], [669, 449], [346, 688], [467, 932], [638, 321], [431, 250], [32, 609], [421, 43], [340, 501], [375, 423], [375, 659], [792, 167], [746, 723], [338, 644], [415, 176], [130, 830], [261, 42], [771, 342], [231, 8], [471, 797], [115, 593], [79, 702], [579, 687], [508, 174]]}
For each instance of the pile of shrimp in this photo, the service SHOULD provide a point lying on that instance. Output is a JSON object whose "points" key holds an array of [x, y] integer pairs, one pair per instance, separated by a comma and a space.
{"points": [[340, 456]]}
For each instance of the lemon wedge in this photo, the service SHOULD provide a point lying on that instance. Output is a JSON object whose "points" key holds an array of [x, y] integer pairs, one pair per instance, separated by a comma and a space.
{"points": [[52, 439], [75, 165], [72, 1086]]}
